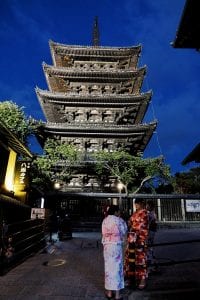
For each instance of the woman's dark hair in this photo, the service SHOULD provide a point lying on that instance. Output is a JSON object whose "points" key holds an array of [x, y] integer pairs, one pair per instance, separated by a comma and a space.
{"points": [[139, 201], [113, 209], [151, 204]]}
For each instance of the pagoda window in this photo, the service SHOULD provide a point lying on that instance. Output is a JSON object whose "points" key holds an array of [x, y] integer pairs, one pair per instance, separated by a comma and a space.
{"points": [[83, 89], [86, 66], [105, 146], [94, 89], [113, 90], [78, 144], [75, 182], [92, 182], [69, 116], [95, 116], [108, 116], [110, 145], [107, 89], [108, 66], [96, 66], [94, 145], [78, 89], [80, 116], [103, 90]]}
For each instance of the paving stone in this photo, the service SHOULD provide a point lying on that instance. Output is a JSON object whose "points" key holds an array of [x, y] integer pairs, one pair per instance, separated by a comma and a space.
{"points": [[75, 271]]}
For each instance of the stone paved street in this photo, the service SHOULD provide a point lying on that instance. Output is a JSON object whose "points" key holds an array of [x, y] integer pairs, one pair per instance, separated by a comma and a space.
{"points": [[73, 269]]}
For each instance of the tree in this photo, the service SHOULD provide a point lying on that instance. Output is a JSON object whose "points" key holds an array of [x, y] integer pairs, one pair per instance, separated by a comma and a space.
{"points": [[56, 164], [187, 182], [133, 171], [14, 118]]}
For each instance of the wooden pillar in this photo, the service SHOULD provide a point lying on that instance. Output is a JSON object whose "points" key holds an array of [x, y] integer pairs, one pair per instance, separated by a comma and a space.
{"points": [[159, 209], [183, 209]]}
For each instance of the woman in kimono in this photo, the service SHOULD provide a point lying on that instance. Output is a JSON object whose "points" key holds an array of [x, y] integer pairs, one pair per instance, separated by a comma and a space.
{"points": [[114, 229], [136, 251]]}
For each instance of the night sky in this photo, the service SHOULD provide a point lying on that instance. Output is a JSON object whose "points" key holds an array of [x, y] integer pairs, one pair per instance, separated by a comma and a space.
{"points": [[26, 26]]}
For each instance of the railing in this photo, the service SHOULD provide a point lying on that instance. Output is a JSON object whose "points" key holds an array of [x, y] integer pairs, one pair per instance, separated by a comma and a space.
{"points": [[19, 240], [170, 208]]}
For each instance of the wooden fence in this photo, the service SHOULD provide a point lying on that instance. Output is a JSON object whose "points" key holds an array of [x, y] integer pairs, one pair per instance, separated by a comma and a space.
{"points": [[170, 208]]}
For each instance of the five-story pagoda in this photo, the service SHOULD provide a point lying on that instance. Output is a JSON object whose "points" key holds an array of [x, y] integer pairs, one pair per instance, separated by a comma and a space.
{"points": [[94, 102]]}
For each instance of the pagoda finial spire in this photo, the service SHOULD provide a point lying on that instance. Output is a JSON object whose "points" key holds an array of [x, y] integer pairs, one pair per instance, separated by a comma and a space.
{"points": [[96, 32]]}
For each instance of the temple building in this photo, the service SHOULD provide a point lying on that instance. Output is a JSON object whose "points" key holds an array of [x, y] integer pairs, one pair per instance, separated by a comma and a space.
{"points": [[94, 101]]}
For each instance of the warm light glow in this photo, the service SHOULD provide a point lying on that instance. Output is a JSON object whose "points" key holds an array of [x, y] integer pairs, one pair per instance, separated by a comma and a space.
{"points": [[9, 178], [56, 185], [42, 202], [120, 186]]}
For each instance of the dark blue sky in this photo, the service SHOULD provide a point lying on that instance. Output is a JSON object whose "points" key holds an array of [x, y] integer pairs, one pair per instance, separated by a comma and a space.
{"points": [[26, 26]]}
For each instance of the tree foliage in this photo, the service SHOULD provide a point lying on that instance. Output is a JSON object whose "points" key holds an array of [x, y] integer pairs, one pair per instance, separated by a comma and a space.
{"points": [[133, 171], [15, 119], [187, 182], [56, 163]]}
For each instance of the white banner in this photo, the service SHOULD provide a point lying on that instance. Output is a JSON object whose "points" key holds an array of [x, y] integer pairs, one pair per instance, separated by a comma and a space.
{"points": [[192, 205]]}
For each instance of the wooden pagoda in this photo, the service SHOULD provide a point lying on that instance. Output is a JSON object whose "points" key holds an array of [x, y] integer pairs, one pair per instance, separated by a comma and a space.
{"points": [[94, 101]]}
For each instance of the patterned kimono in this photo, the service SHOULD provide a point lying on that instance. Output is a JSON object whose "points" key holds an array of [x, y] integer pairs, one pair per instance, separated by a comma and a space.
{"points": [[136, 251], [113, 231]]}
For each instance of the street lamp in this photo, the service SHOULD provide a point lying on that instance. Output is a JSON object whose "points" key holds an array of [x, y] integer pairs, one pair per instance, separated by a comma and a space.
{"points": [[120, 187], [57, 185]]}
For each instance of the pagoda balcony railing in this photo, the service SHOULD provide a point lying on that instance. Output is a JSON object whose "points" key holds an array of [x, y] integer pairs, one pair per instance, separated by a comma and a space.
{"points": [[85, 94], [77, 69], [98, 125]]}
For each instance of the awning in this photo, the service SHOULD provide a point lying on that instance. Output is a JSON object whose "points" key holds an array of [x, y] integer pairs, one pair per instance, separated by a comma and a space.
{"points": [[188, 32], [9, 200], [13, 142], [194, 155]]}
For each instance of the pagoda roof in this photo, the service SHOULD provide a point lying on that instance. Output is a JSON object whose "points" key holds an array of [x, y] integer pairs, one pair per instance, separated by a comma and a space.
{"points": [[48, 99], [93, 51], [134, 134], [52, 73], [78, 73], [99, 129], [74, 98]]}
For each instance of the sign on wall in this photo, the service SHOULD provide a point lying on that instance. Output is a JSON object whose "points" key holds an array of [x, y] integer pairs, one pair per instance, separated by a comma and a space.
{"points": [[192, 205], [38, 213]]}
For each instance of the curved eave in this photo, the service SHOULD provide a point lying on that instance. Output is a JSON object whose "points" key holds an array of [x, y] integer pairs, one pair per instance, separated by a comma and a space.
{"points": [[77, 73], [44, 106], [187, 35], [49, 101], [194, 155], [85, 129], [77, 50], [52, 74], [73, 98]]}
